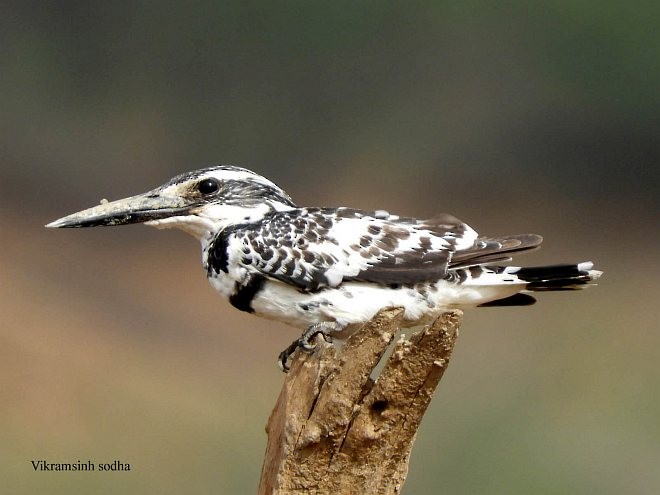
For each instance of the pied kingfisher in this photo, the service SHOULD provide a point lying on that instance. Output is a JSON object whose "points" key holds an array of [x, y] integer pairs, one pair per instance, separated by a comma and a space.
{"points": [[323, 269]]}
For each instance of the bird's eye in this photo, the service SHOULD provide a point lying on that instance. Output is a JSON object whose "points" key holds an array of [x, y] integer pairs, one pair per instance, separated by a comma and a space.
{"points": [[208, 186]]}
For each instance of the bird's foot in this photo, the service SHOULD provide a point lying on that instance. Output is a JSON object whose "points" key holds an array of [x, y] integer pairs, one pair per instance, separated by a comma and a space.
{"points": [[306, 341]]}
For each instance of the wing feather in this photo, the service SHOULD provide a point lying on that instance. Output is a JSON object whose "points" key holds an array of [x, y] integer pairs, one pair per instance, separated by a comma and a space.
{"points": [[313, 248], [494, 250]]}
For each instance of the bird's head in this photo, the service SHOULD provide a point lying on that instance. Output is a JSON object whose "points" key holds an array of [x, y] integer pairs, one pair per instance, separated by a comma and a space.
{"points": [[200, 203]]}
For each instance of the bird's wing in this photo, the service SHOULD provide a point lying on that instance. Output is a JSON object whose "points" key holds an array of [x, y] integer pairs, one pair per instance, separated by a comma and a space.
{"points": [[488, 250], [312, 248]]}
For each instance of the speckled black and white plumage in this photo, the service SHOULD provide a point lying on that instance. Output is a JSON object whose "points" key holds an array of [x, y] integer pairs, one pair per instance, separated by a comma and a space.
{"points": [[317, 248], [304, 266]]}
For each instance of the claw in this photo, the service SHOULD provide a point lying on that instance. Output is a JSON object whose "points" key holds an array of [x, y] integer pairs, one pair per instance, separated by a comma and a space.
{"points": [[282, 362], [307, 342]]}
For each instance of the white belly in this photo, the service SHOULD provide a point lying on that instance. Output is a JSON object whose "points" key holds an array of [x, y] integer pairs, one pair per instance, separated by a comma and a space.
{"points": [[357, 302]]}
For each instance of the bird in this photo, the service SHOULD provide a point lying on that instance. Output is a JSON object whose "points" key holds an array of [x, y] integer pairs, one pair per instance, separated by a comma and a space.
{"points": [[328, 269]]}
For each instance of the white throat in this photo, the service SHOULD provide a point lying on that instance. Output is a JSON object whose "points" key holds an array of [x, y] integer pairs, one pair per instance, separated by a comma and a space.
{"points": [[204, 222]]}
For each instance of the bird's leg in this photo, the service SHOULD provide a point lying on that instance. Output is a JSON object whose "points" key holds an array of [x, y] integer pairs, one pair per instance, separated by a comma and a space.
{"points": [[306, 341]]}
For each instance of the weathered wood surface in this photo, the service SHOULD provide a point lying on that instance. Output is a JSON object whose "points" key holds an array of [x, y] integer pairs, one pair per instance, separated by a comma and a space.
{"points": [[334, 430]]}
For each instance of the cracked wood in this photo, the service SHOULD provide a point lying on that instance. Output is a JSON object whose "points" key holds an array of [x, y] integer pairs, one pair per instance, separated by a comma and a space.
{"points": [[335, 430]]}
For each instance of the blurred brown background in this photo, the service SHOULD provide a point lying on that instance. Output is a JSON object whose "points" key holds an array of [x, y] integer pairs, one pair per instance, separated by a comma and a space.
{"points": [[519, 117]]}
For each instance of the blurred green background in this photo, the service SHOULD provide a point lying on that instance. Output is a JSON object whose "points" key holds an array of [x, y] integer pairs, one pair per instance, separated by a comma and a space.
{"points": [[514, 116]]}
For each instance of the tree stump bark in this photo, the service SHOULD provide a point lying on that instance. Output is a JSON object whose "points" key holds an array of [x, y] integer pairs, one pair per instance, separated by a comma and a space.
{"points": [[335, 430]]}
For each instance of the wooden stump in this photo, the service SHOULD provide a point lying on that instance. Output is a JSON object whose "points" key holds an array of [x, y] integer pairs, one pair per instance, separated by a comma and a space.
{"points": [[334, 430]]}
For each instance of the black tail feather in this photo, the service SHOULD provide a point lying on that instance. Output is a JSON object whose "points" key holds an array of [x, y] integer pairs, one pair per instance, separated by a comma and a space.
{"points": [[519, 299], [558, 277]]}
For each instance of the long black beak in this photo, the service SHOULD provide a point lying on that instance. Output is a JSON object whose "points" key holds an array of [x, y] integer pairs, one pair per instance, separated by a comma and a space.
{"points": [[136, 209]]}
